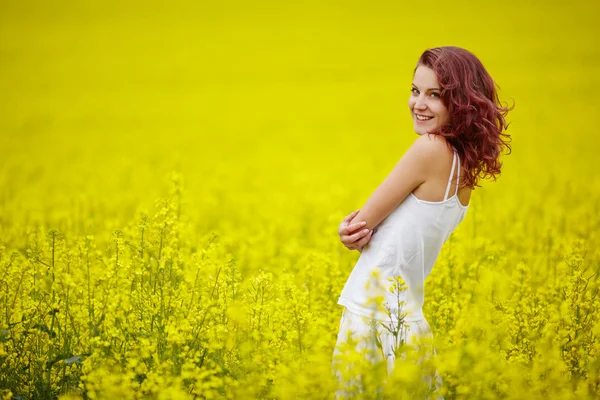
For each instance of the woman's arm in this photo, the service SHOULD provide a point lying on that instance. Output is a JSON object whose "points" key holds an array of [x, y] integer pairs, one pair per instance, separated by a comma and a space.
{"points": [[410, 172]]}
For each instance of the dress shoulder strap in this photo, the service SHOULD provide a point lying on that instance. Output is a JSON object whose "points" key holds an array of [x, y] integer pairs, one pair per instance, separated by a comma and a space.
{"points": [[457, 173], [451, 173]]}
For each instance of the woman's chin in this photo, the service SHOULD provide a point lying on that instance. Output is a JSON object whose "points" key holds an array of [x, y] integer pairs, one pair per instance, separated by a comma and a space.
{"points": [[421, 130]]}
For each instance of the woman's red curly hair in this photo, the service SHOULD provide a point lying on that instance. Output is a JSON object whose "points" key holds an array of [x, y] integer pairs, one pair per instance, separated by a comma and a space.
{"points": [[477, 118]]}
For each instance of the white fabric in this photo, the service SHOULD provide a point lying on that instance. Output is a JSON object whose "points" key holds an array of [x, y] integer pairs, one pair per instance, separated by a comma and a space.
{"points": [[406, 245], [361, 330]]}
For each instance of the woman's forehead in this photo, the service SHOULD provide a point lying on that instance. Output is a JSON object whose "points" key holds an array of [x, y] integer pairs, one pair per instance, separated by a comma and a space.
{"points": [[425, 78]]}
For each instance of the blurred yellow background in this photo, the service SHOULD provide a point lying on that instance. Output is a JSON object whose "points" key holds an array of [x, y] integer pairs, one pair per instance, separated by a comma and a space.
{"points": [[283, 117], [305, 102]]}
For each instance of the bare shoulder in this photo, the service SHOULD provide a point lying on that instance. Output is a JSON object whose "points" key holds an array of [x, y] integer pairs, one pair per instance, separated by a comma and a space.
{"points": [[433, 148], [433, 141], [437, 157]]}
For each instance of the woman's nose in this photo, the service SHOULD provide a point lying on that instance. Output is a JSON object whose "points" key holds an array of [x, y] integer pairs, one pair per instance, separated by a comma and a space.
{"points": [[420, 104]]}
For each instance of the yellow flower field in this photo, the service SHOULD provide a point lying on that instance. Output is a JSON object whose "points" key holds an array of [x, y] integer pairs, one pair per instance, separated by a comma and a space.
{"points": [[173, 174]]}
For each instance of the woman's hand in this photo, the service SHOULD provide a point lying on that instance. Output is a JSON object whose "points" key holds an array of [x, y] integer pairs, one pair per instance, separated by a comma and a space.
{"points": [[351, 239]]}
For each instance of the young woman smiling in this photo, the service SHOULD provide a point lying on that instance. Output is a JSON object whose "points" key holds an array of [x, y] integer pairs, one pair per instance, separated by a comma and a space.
{"points": [[400, 230]]}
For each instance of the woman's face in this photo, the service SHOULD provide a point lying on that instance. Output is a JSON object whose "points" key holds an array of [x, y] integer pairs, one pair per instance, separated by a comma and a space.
{"points": [[425, 104]]}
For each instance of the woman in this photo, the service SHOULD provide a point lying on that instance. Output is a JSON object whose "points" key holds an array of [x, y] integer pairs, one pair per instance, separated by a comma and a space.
{"points": [[400, 231]]}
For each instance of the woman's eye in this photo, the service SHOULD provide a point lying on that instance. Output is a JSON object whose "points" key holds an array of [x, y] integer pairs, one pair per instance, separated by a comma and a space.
{"points": [[415, 91], [435, 94]]}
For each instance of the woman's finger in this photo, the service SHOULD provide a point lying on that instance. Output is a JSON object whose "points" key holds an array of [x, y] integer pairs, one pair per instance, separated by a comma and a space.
{"points": [[360, 235], [346, 241], [353, 227], [345, 222], [348, 217], [362, 242], [352, 239], [365, 239]]}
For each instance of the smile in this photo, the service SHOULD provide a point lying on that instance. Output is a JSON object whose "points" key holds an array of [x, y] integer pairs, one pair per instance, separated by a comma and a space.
{"points": [[423, 117]]}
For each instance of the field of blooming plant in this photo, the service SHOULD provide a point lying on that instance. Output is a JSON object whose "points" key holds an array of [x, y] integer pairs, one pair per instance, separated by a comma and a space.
{"points": [[172, 177]]}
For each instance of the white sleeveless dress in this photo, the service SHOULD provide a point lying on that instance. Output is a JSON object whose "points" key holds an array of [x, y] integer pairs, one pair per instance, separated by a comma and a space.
{"points": [[405, 244]]}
